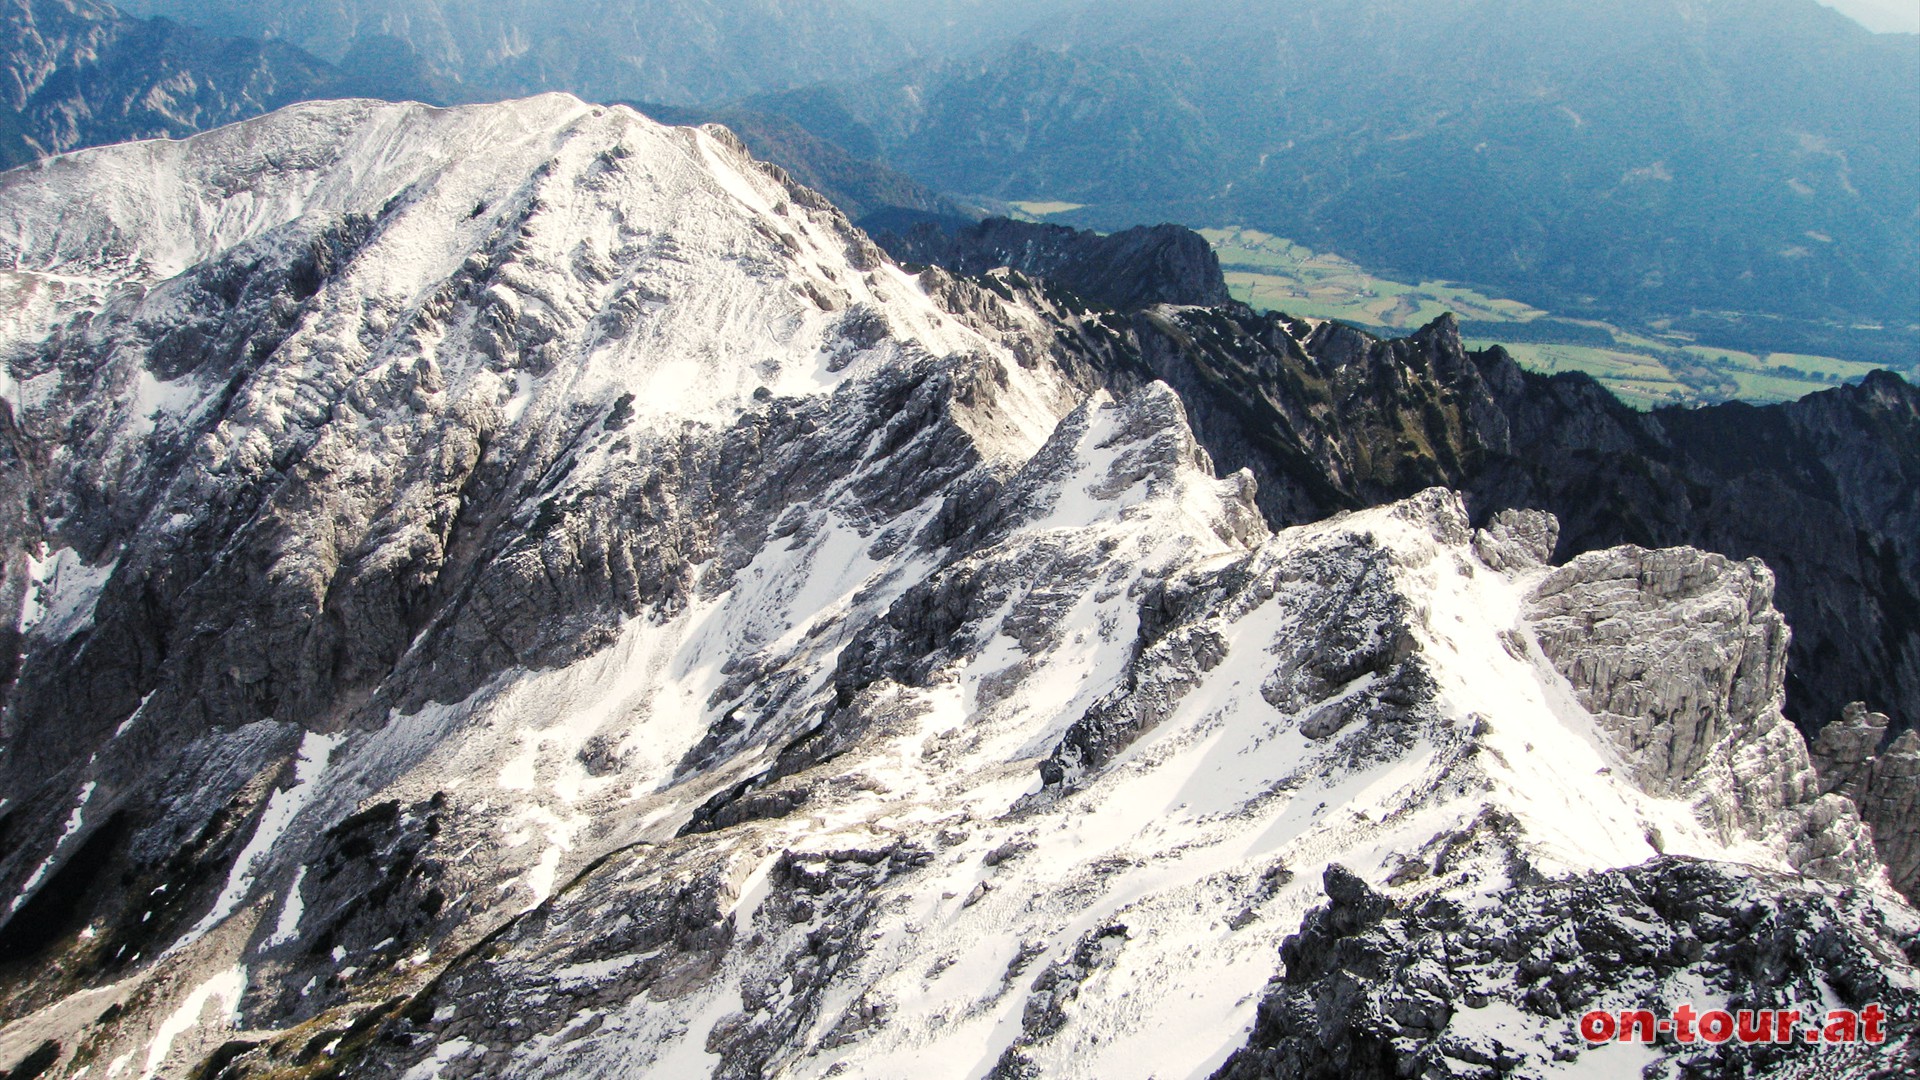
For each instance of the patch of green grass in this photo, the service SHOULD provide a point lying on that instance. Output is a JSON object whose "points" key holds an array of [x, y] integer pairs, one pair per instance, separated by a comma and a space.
{"points": [[1043, 207], [1636, 378], [1643, 367], [1818, 365], [1755, 386], [1323, 285]]}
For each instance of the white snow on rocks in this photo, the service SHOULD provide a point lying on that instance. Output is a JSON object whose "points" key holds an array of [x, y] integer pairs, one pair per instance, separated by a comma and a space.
{"points": [[222, 990], [61, 589], [74, 821]]}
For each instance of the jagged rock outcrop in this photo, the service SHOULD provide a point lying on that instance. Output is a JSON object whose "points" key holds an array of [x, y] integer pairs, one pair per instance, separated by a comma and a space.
{"points": [[1825, 491], [1681, 658], [1517, 539], [1127, 270], [1883, 783], [1377, 989]]}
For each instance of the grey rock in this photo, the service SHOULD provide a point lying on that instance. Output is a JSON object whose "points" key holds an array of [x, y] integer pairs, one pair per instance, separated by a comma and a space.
{"points": [[647, 735], [1883, 784], [1126, 270], [1825, 491], [1844, 750], [1681, 657], [1517, 539]]}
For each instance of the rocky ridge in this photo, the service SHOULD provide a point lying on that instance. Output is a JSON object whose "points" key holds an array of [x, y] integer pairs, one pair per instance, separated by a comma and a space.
{"points": [[1435, 988], [1825, 491], [1125, 270], [522, 591]]}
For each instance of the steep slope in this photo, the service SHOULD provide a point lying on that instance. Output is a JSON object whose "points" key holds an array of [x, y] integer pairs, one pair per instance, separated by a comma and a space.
{"points": [[83, 74], [1825, 490], [79, 73], [866, 190], [1883, 780], [521, 591]]}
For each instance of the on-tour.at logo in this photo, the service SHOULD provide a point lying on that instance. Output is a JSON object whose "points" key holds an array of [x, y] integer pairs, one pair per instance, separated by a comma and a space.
{"points": [[1689, 1025]]}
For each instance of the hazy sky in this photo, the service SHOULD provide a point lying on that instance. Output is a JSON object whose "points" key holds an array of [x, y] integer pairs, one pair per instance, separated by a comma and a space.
{"points": [[1882, 15]]}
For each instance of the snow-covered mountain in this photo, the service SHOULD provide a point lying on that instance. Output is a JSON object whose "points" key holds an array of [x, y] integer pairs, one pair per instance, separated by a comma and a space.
{"points": [[523, 591]]}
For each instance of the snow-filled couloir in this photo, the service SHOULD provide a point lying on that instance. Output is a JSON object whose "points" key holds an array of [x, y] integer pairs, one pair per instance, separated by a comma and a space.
{"points": [[519, 590]]}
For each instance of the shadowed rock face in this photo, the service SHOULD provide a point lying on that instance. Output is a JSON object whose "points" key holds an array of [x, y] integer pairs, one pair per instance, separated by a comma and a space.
{"points": [[1127, 270], [1825, 490]]}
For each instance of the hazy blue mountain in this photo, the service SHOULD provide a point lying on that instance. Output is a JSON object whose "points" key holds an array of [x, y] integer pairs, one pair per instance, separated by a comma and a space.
{"points": [[1648, 157], [675, 51], [1881, 16], [959, 27], [79, 73]]}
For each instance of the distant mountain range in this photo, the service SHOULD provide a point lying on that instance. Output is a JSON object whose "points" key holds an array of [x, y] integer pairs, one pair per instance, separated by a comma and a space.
{"points": [[1648, 158], [675, 51], [962, 27], [80, 73], [1881, 16]]}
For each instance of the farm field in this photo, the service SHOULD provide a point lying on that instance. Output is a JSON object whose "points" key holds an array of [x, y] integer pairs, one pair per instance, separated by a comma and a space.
{"points": [[1643, 367]]}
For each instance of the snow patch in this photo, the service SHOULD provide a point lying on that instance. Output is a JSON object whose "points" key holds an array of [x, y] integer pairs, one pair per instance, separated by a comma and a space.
{"points": [[282, 807], [223, 989], [288, 926], [61, 593], [73, 826]]}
